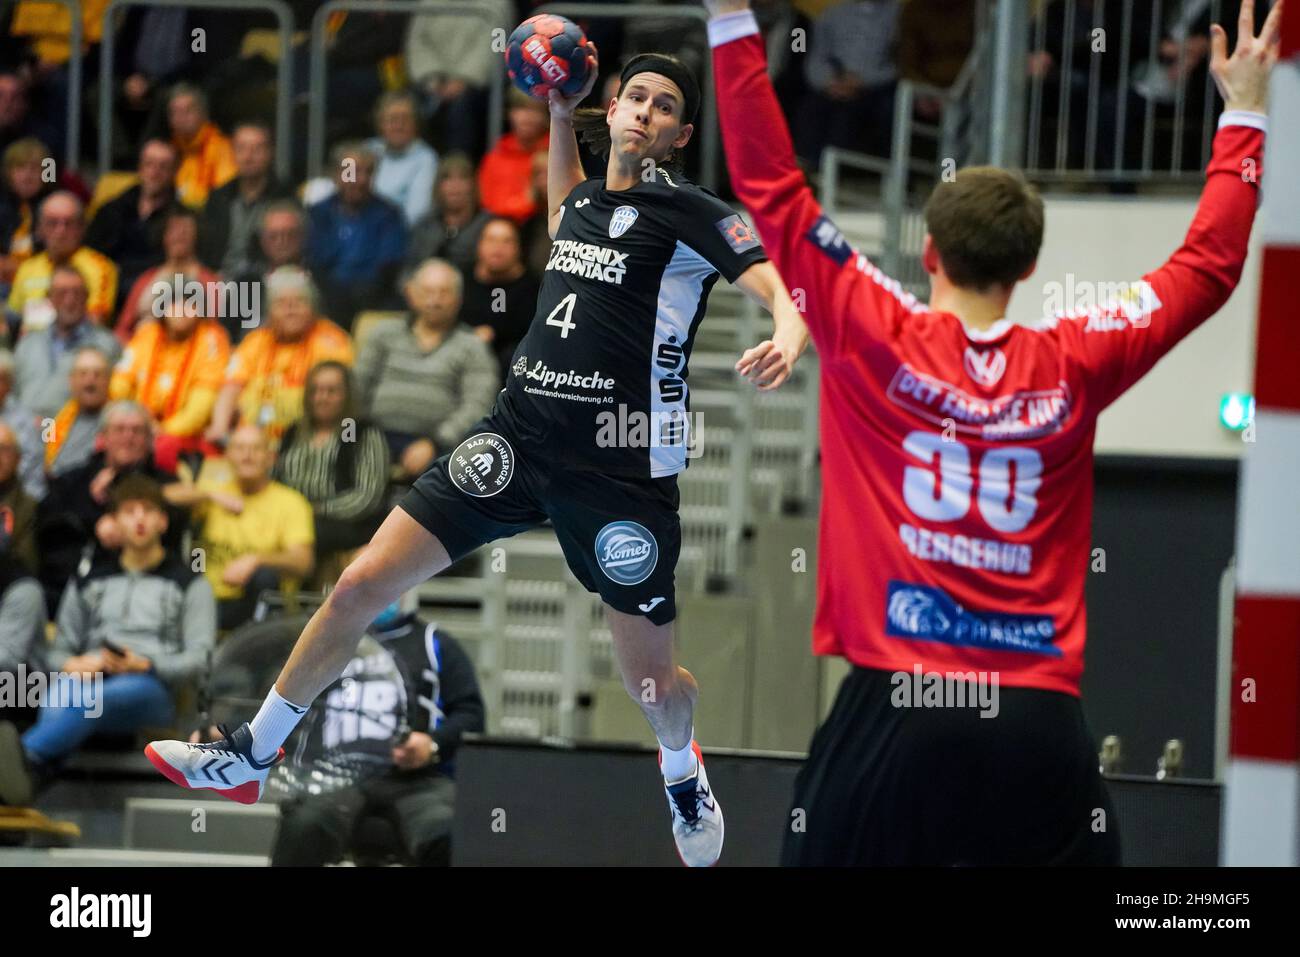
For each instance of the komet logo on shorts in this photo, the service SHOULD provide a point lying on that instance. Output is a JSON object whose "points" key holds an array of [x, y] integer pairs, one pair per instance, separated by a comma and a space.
{"points": [[627, 552], [482, 465]]}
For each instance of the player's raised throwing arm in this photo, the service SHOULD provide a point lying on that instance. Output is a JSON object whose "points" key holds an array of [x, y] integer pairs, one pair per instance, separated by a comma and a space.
{"points": [[563, 165], [845, 300]]}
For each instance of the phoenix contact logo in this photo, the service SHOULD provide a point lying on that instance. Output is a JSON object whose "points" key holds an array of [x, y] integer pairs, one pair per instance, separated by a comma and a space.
{"points": [[588, 260]]}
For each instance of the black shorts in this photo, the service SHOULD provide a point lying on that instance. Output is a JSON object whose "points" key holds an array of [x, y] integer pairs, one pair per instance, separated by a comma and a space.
{"points": [[887, 785], [621, 536]]}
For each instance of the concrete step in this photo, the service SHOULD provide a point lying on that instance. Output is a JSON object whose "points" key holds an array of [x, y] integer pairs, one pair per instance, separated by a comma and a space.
{"points": [[199, 826]]}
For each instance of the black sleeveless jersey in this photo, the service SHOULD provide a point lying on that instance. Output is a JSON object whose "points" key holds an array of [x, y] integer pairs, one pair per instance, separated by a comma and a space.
{"points": [[599, 381]]}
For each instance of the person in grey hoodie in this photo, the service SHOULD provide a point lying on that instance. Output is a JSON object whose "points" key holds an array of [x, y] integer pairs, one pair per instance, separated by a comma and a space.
{"points": [[141, 618]]}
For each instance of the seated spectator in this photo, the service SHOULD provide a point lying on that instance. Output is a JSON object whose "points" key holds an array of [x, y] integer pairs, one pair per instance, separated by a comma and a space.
{"points": [[338, 461], [21, 191], [179, 238], [43, 359], [70, 442], [505, 178], [17, 508], [934, 40], [129, 229], [47, 27], [267, 372], [427, 379], [228, 233], [450, 67], [450, 230], [417, 793], [406, 165], [207, 160], [535, 234], [281, 241], [31, 464], [256, 534], [500, 295], [142, 618], [355, 239], [60, 227], [174, 368], [70, 521], [22, 646], [851, 79], [18, 121]]}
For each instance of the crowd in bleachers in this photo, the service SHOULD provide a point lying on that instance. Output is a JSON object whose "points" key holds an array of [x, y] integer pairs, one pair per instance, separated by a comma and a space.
{"points": [[218, 380]]}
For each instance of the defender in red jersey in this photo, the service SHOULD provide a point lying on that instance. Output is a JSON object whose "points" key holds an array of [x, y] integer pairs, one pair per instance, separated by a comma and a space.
{"points": [[956, 444]]}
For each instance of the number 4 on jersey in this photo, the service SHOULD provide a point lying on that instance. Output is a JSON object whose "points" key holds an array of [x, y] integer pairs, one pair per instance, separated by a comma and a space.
{"points": [[566, 322]]}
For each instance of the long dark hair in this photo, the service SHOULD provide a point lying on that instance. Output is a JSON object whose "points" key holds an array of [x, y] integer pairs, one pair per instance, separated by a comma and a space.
{"points": [[349, 392], [592, 130]]}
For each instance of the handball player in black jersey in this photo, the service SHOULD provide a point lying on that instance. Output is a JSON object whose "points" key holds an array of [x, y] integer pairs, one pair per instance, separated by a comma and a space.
{"points": [[589, 432]]}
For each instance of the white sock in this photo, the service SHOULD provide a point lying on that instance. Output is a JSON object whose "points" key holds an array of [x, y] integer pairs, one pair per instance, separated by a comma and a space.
{"points": [[273, 725], [677, 765]]}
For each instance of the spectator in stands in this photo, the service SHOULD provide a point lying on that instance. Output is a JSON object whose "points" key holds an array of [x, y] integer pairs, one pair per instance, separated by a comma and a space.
{"points": [[129, 228], [934, 40], [337, 460], [43, 358], [451, 229], [364, 55], [256, 534], [174, 367], [60, 227], [418, 794], [851, 79], [17, 120], [31, 464], [500, 295], [228, 233], [47, 28], [179, 237], [281, 242], [17, 508], [207, 159], [267, 372], [427, 379], [71, 523], [70, 442], [535, 234], [505, 178], [405, 165], [355, 239], [450, 66], [142, 617], [21, 190]]}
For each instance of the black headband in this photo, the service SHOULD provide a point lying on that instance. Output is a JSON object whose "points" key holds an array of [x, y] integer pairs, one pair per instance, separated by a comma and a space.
{"points": [[673, 70]]}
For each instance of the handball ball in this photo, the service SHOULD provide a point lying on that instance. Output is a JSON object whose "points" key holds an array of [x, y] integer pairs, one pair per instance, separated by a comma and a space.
{"points": [[548, 52]]}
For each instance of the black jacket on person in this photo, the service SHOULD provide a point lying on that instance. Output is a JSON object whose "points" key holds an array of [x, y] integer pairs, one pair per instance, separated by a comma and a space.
{"points": [[66, 517], [214, 226], [134, 244]]}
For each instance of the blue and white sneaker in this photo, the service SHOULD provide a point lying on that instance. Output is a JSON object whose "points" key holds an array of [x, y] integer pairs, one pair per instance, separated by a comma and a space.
{"points": [[697, 816], [226, 766]]}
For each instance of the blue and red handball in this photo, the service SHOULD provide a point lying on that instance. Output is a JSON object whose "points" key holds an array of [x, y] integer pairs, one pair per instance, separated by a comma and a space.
{"points": [[548, 52]]}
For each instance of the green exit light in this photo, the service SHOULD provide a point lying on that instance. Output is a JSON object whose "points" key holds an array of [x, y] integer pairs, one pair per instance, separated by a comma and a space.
{"points": [[1236, 409]]}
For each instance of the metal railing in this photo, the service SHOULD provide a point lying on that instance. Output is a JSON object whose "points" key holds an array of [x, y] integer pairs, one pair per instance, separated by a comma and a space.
{"points": [[1112, 144], [317, 88], [707, 127], [284, 81], [73, 145]]}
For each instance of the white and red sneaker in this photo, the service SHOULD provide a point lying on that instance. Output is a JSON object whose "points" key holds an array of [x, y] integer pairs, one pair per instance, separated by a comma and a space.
{"points": [[697, 816], [226, 766]]}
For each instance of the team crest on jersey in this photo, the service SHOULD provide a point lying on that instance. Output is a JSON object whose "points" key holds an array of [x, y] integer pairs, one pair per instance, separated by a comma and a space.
{"points": [[482, 465], [984, 366], [626, 552], [622, 221]]}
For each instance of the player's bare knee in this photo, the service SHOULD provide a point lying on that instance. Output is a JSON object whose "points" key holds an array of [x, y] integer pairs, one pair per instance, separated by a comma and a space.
{"points": [[361, 591]]}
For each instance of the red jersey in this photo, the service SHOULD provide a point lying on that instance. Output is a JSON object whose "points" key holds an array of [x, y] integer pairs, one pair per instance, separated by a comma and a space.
{"points": [[957, 466]]}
